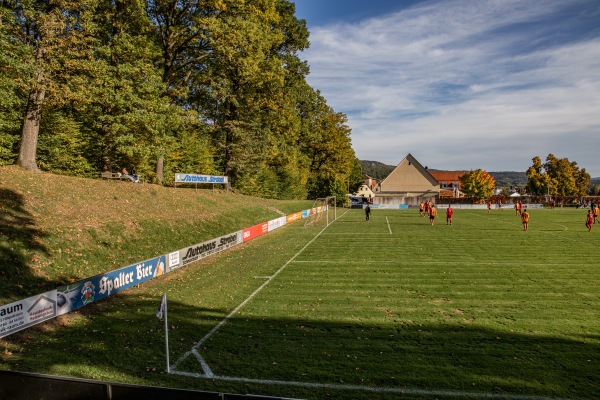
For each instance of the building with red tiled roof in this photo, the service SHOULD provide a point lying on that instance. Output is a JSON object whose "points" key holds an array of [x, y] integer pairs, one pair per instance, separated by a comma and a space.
{"points": [[449, 182]]}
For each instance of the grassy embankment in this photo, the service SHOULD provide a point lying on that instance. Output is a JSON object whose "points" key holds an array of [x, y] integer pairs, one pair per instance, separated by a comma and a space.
{"points": [[56, 230]]}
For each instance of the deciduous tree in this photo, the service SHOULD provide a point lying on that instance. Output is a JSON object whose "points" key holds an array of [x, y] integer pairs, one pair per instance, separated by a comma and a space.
{"points": [[478, 184], [557, 176], [16, 67]]}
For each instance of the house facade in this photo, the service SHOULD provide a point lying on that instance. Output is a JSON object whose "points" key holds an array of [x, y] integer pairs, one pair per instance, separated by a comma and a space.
{"points": [[449, 183], [409, 183], [365, 191]]}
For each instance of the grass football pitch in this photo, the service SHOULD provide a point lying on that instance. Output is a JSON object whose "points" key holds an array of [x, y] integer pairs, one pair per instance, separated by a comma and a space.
{"points": [[391, 308], [396, 306]]}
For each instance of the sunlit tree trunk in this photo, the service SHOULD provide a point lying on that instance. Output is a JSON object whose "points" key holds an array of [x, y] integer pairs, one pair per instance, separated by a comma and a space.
{"points": [[31, 125], [159, 167]]}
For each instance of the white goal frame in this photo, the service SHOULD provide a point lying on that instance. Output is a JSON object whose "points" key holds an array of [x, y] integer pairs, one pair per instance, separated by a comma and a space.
{"points": [[322, 202]]}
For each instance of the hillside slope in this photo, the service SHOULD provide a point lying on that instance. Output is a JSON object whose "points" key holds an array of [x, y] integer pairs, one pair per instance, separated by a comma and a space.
{"points": [[56, 229]]}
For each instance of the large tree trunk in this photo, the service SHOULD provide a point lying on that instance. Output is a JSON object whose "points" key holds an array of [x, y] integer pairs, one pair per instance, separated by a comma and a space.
{"points": [[31, 129], [31, 125], [159, 168]]}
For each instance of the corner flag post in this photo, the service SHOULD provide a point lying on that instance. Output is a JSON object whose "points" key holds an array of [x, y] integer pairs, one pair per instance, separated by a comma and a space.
{"points": [[162, 308]]}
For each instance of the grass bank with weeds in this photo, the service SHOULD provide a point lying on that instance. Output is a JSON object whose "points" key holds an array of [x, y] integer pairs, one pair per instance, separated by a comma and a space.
{"points": [[56, 230]]}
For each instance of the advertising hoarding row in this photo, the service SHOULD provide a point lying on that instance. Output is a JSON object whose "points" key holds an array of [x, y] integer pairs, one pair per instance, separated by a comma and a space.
{"points": [[22, 314]]}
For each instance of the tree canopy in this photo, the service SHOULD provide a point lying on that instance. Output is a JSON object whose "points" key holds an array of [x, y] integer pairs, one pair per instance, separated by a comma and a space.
{"points": [[165, 86], [557, 176], [477, 184]]}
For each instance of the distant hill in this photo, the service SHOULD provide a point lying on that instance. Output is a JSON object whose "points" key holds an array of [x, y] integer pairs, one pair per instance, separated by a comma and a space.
{"points": [[379, 171], [376, 169], [509, 179]]}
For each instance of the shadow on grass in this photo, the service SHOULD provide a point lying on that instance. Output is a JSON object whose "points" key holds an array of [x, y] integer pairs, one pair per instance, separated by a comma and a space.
{"points": [[20, 240], [121, 339]]}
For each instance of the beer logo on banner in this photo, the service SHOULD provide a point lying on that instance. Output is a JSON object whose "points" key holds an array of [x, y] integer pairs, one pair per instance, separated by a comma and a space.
{"points": [[88, 291]]}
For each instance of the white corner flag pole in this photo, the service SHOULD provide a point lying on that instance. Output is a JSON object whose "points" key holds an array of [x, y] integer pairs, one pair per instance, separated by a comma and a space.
{"points": [[167, 337], [159, 313]]}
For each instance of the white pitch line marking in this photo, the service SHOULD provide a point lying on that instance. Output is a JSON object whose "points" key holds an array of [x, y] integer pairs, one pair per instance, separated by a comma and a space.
{"points": [[410, 262], [239, 307], [369, 388], [207, 371], [388, 223]]}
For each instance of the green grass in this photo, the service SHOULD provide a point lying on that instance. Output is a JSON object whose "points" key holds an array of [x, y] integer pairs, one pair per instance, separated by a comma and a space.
{"points": [[477, 307], [480, 306]]}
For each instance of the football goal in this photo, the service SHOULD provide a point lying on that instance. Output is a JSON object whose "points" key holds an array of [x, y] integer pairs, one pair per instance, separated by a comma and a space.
{"points": [[322, 213]]}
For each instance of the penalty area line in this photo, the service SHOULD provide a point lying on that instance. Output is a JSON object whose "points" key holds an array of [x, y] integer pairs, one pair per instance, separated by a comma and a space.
{"points": [[375, 389]]}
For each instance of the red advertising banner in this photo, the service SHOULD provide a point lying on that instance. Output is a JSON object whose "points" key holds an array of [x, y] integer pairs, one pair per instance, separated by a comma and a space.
{"points": [[254, 231]]}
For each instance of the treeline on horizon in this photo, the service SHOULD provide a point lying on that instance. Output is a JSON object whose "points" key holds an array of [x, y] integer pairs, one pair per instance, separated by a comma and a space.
{"points": [[166, 86]]}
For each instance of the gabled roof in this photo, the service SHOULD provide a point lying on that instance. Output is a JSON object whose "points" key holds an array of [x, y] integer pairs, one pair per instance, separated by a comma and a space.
{"points": [[413, 161]]}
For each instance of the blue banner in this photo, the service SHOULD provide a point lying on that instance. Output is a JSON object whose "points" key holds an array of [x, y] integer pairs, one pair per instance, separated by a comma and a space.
{"points": [[79, 294]]}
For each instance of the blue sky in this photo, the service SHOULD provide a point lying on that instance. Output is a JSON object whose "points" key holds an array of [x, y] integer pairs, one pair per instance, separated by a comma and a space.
{"points": [[461, 84]]}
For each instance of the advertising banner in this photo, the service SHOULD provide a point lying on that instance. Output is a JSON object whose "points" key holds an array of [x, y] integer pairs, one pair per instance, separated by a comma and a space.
{"points": [[389, 206], [277, 223], [27, 312], [78, 294], [193, 178], [203, 250], [531, 206], [173, 261], [255, 231], [293, 217]]}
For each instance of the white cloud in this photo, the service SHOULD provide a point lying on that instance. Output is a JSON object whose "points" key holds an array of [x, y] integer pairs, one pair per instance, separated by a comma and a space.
{"points": [[462, 84]]}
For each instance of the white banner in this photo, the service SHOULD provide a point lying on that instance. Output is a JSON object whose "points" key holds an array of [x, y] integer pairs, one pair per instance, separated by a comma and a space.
{"points": [[24, 313], [192, 178], [277, 223], [203, 250]]}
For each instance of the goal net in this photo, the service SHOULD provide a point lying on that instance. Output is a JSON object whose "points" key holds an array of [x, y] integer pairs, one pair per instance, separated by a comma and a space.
{"points": [[322, 213]]}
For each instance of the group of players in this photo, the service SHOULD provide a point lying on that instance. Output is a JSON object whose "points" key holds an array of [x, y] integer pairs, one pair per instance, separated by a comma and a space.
{"points": [[427, 208]]}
